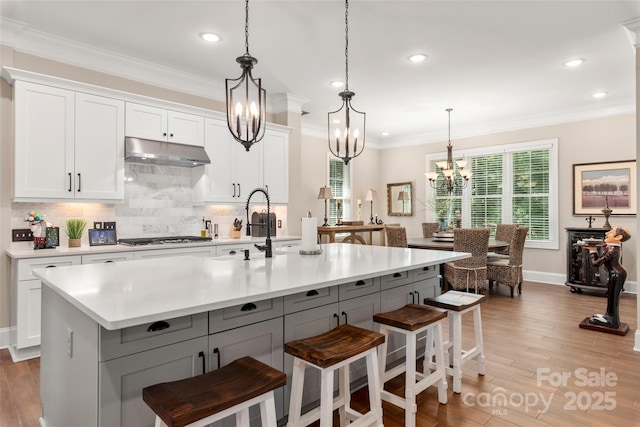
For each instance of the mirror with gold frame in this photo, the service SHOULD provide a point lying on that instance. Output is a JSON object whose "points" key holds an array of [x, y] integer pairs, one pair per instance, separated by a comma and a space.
{"points": [[400, 199]]}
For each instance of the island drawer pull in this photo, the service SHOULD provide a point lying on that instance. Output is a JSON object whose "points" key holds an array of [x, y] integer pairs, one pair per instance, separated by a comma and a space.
{"points": [[232, 252], [158, 326], [50, 266], [397, 274], [248, 307], [346, 319], [413, 301], [312, 293], [335, 315], [360, 283], [216, 351]]}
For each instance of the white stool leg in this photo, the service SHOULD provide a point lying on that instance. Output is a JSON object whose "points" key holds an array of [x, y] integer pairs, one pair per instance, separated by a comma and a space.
{"points": [[242, 418], [268, 411], [159, 422], [375, 384], [477, 328], [326, 398], [410, 407], [295, 400], [456, 320], [427, 363], [344, 394], [439, 353], [382, 354]]}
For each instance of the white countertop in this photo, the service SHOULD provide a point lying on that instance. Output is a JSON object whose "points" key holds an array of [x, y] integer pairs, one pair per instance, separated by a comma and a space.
{"points": [[25, 250], [129, 293]]}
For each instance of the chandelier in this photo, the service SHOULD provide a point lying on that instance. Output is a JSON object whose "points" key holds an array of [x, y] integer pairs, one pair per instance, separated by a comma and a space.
{"points": [[347, 139], [448, 170], [246, 99]]}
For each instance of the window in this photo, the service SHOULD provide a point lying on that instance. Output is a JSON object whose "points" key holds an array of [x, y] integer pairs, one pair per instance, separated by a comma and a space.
{"points": [[515, 183], [339, 181]]}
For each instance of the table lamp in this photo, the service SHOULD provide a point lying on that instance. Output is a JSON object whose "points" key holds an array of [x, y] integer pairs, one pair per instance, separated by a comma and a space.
{"points": [[325, 193], [371, 196]]}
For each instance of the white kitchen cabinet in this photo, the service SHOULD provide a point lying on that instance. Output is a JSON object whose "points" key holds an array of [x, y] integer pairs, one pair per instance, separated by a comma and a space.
{"points": [[276, 165], [25, 304], [263, 341], [111, 257], [234, 172], [159, 124], [68, 145], [202, 251], [122, 380]]}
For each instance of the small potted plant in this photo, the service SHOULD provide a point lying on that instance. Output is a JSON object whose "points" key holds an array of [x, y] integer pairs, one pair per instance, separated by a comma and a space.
{"points": [[74, 229]]}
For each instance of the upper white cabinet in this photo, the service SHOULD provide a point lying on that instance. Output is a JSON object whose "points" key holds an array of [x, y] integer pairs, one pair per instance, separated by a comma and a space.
{"points": [[144, 121], [68, 145], [234, 172]]}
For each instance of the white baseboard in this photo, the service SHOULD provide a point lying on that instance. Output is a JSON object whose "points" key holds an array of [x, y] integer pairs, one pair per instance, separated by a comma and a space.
{"points": [[5, 337], [560, 279], [637, 346]]}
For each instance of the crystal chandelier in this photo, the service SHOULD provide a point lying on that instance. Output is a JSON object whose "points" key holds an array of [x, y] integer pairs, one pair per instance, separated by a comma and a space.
{"points": [[448, 170], [246, 99], [347, 139]]}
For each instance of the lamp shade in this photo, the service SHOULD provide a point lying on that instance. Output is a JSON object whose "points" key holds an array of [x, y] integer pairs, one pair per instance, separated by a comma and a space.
{"points": [[325, 193], [371, 195], [403, 195]]}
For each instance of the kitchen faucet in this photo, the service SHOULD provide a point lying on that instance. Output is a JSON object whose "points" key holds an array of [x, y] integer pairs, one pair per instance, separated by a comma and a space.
{"points": [[267, 246]]}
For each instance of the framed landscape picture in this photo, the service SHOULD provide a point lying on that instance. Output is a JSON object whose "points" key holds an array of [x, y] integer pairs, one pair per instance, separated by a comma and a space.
{"points": [[596, 185]]}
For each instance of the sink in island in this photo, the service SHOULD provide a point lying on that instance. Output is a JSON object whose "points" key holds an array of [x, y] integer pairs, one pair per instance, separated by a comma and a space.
{"points": [[109, 330]]}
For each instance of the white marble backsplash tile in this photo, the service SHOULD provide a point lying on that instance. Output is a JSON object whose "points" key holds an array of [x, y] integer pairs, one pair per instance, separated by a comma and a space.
{"points": [[157, 202]]}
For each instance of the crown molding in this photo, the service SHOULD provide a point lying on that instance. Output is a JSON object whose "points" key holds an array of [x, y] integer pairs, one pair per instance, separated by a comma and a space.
{"points": [[287, 102], [633, 30]]}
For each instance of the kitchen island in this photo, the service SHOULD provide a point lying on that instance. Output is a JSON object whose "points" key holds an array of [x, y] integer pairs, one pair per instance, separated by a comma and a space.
{"points": [[108, 330]]}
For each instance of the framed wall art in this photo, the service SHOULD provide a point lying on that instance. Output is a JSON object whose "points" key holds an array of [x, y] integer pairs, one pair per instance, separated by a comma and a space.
{"points": [[612, 184]]}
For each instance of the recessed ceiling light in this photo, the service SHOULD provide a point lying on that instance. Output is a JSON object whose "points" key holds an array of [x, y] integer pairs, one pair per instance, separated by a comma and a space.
{"points": [[337, 83], [599, 94], [418, 57], [210, 37], [385, 133], [574, 62]]}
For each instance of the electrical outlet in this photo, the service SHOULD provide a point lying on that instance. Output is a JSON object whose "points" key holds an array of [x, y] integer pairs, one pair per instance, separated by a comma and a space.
{"points": [[69, 342], [279, 223], [109, 225], [97, 225], [21, 235]]}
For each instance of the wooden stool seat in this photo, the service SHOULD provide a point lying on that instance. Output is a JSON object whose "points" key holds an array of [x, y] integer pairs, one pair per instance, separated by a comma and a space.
{"points": [[184, 402], [410, 321], [333, 351], [458, 303]]}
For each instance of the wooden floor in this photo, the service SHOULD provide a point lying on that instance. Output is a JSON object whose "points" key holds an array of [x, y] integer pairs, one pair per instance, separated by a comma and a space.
{"points": [[541, 370]]}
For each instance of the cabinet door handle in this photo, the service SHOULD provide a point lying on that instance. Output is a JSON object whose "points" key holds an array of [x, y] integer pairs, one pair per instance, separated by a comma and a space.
{"points": [[69, 190], [79, 181], [171, 135], [360, 283], [201, 355], [164, 134], [418, 297], [312, 293], [216, 351], [158, 326], [239, 190], [335, 316], [248, 307], [346, 319], [413, 301], [234, 189], [397, 274]]}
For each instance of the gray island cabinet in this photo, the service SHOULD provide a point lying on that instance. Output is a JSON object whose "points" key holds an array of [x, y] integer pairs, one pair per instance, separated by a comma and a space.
{"points": [[109, 330]]}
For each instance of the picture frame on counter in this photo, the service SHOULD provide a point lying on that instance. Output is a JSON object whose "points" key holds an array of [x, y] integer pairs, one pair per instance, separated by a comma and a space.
{"points": [[102, 237]]}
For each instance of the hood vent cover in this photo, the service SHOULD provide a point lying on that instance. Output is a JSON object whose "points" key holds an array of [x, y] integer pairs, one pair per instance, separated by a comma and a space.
{"points": [[164, 153]]}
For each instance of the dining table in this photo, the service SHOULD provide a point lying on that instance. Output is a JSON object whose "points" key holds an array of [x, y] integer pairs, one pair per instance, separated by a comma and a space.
{"points": [[443, 245]]}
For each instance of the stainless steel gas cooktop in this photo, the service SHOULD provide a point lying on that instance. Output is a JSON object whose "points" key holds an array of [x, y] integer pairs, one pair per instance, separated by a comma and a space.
{"points": [[142, 241]]}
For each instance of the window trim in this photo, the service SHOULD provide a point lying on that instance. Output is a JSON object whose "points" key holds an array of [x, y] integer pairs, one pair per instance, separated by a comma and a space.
{"points": [[552, 144], [347, 190]]}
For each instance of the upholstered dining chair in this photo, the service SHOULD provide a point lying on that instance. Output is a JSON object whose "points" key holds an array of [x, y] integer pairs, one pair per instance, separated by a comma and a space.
{"points": [[504, 232], [509, 271], [428, 228], [396, 236], [468, 273]]}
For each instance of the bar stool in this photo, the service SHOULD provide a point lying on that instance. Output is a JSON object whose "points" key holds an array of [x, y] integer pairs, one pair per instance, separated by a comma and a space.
{"points": [[456, 305], [410, 321], [328, 352], [204, 399]]}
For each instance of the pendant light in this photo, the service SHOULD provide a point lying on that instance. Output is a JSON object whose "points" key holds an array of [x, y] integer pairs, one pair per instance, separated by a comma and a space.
{"points": [[448, 171], [346, 125], [246, 99]]}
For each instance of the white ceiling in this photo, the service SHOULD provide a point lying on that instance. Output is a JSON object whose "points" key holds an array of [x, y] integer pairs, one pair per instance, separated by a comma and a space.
{"points": [[498, 64]]}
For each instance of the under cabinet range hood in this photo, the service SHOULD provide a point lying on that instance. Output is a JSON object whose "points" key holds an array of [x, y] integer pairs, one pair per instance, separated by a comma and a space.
{"points": [[164, 153]]}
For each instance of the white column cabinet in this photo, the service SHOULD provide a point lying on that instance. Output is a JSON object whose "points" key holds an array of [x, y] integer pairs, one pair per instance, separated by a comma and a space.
{"points": [[68, 145], [234, 172], [159, 124]]}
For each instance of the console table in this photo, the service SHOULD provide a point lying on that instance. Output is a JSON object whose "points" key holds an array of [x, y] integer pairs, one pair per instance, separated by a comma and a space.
{"points": [[331, 232], [580, 273]]}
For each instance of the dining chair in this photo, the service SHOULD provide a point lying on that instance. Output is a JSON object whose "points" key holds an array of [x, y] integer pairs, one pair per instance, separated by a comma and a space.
{"points": [[396, 236], [428, 228], [509, 271], [504, 232], [469, 272]]}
